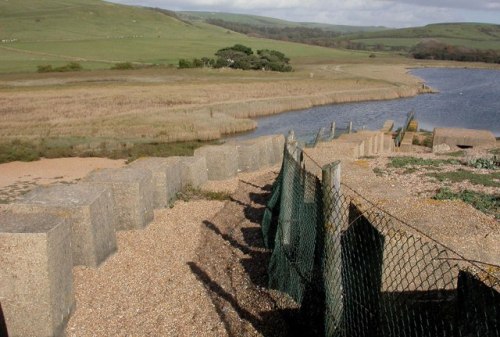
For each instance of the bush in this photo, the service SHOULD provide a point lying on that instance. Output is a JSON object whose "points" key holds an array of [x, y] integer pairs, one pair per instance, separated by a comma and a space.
{"points": [[483, 163], [18, 150], [195, 63], [71, 66], [123, 66], [185, 64], [47, 68]]}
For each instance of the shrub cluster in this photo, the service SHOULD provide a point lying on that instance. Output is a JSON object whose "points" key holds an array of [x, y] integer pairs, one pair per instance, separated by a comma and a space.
{"points": [[242, 57], [123, 66], [48, 68]]}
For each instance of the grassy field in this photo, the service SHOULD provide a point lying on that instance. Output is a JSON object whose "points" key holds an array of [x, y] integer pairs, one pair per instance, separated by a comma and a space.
{"points": [[98, 34]]}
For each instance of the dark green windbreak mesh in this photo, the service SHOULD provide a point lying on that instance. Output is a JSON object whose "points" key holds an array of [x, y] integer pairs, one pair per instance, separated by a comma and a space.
{"points": [[363, 272], [292, 261], [271, 213]]}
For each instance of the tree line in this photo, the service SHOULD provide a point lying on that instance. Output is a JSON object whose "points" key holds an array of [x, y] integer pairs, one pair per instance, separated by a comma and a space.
{"points": [[437, 50]]}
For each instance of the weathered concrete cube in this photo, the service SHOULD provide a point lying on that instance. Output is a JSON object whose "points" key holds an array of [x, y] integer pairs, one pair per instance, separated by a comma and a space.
{"points": [[359, 145], [278, 146], [194, 171], [166, 174], [36, 280], [388, 143], [407, 142], [377, 140], [133, 194], [368, 141], [266, 148], [248, 156], [90, 211], [222, 160], [342, 150]]}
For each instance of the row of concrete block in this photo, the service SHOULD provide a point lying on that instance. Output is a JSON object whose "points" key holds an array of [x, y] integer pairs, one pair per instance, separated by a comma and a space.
{"points": [[225, 161], [55, 228], [359, 144]]}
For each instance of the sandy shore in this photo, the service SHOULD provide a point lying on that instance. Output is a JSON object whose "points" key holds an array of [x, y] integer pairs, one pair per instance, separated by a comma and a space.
{"points": [[18, 178]]}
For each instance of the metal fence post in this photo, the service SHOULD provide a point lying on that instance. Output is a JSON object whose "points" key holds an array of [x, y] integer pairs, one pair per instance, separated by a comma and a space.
{"points": [[332, 264]]}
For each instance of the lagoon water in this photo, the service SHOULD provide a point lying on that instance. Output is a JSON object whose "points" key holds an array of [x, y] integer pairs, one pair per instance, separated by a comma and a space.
{"points": [[467, 98]]}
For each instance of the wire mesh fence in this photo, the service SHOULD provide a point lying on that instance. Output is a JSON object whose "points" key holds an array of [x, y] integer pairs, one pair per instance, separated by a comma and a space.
{"points": [[358, 271]]}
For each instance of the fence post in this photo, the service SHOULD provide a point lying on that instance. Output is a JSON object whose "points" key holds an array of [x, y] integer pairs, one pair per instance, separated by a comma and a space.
{"points": [[332, 130], [350, 127], [318, 136], [332, 264], [289, 174]]}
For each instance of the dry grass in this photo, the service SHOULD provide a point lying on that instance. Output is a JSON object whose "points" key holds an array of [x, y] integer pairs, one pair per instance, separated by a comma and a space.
{"points": [[172, 105]]}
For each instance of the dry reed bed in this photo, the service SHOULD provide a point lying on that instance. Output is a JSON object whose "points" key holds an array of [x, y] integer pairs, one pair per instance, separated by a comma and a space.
{"points": [[203, 109]]}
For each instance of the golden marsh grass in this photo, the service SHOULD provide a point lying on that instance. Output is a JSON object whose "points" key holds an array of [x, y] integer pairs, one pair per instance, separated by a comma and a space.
{"points": [[172, 105]]}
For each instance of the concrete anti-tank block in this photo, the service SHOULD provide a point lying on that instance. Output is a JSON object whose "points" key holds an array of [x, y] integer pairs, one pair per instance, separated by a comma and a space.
{"points": [[222, 160], [388, 143], [367, 139], [194, 171], [166, 174], [133, 194], [377, 140], [266, 148], [36, 280], [248, 156], [340, 150], [90, 211], [279, 147], [359, 146]]}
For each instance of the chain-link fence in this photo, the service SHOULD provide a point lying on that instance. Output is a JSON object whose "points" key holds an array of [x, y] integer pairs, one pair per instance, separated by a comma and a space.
{"points": [[358, 271]]}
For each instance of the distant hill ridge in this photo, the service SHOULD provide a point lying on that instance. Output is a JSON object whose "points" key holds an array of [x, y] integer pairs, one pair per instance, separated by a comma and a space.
{"points": [[273, 22], [471, 35]]}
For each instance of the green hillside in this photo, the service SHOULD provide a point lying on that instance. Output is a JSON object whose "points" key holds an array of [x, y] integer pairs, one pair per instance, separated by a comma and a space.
{"points": [[470, 35], [98, 33], [272, 22]]}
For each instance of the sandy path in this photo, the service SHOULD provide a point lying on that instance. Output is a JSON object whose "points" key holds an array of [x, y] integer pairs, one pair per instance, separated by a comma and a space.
{"points": [[17, 178]]}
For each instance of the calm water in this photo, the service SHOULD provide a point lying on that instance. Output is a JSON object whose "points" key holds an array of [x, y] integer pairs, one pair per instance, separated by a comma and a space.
{"points": [[467, 98]]}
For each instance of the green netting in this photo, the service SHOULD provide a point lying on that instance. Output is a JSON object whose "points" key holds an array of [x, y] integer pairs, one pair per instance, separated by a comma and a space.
{"points": [[362, 272], [292, 261], [271, 213]]}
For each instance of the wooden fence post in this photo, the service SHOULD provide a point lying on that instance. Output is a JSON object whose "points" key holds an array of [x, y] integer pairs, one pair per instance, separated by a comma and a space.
{"points": [[334, 218], [318, 136], [289, 175], [332, 130]]}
